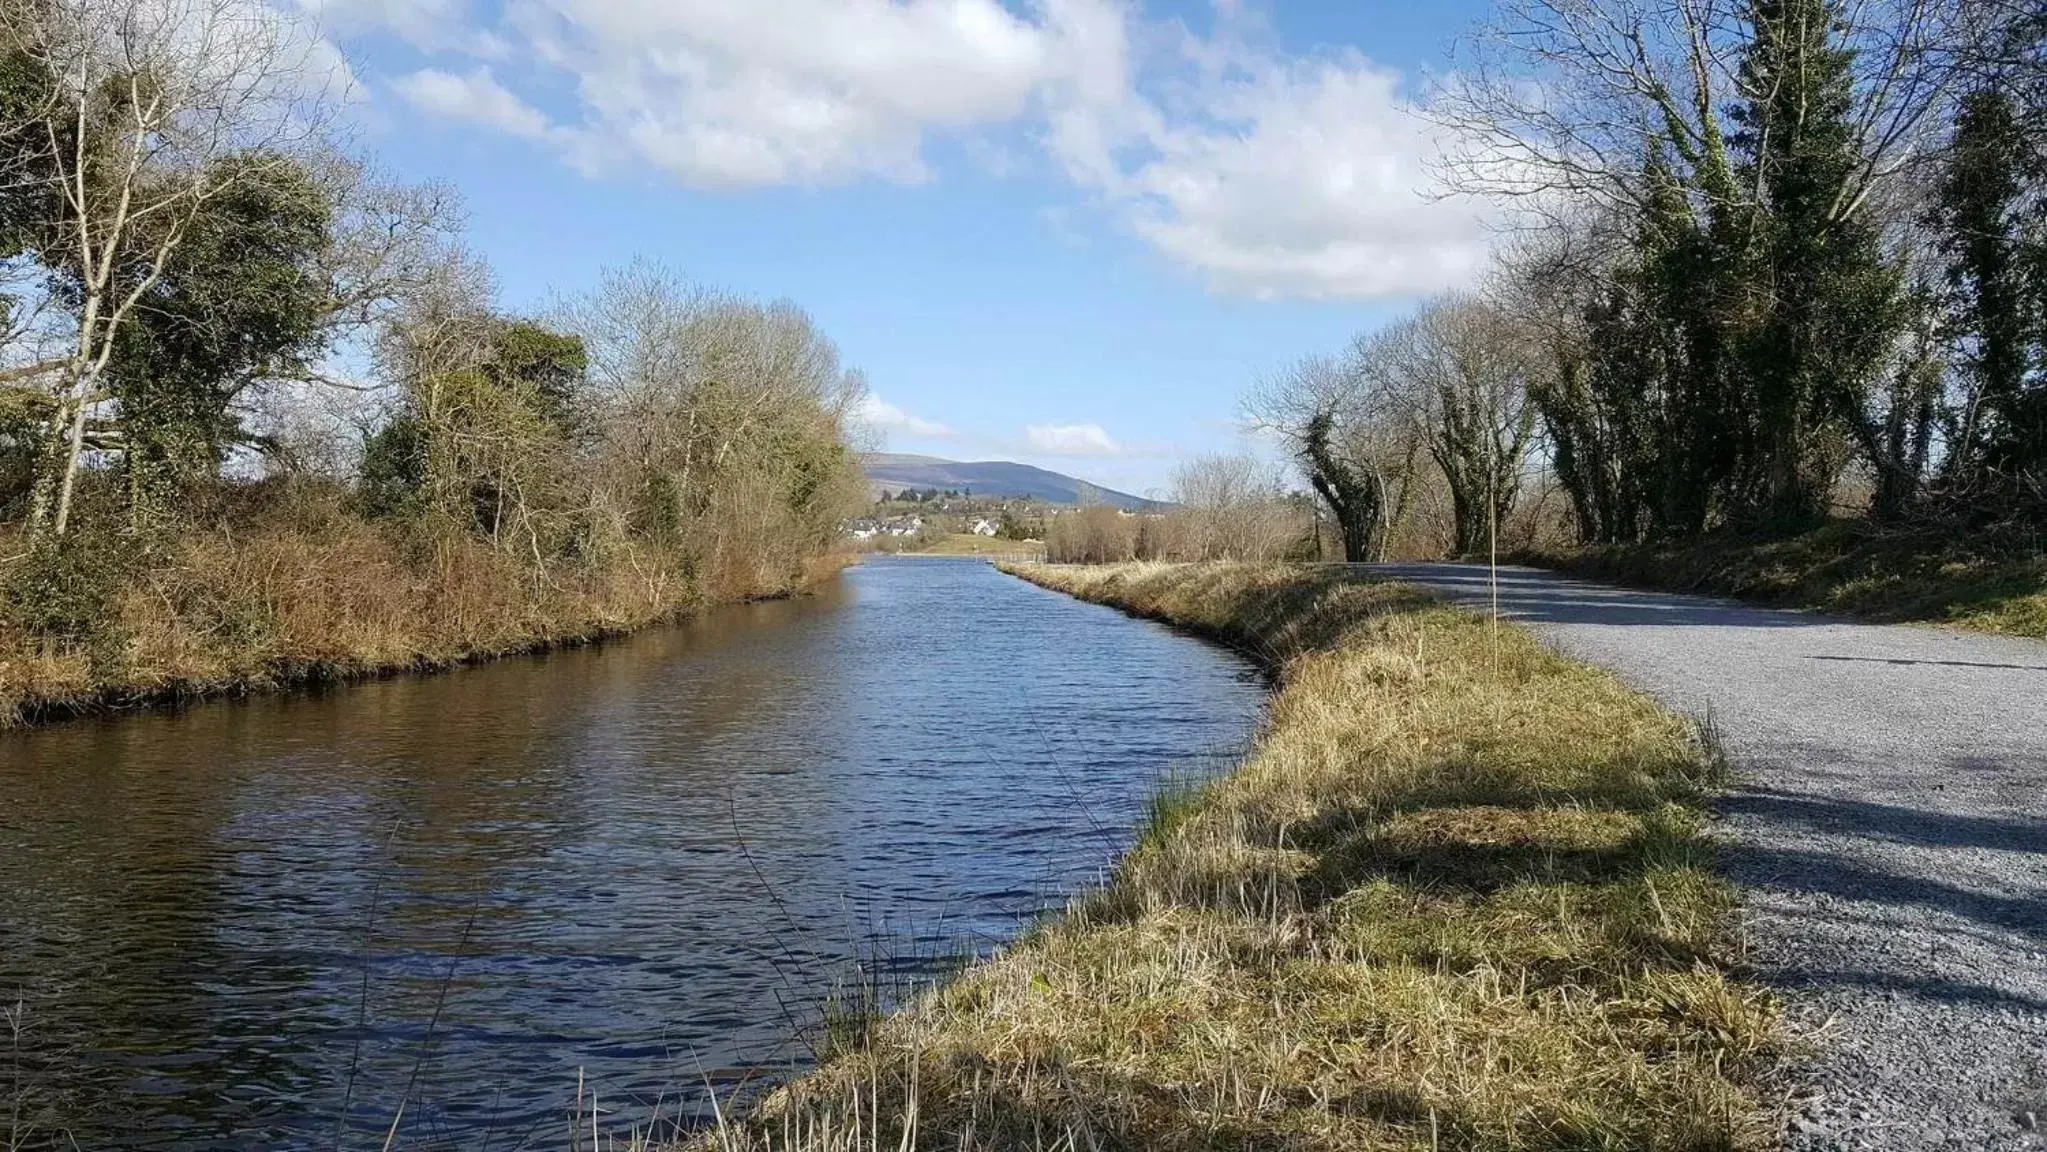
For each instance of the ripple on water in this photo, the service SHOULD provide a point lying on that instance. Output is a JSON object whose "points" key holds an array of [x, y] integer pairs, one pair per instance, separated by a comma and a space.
{"points": [[648, 861]]}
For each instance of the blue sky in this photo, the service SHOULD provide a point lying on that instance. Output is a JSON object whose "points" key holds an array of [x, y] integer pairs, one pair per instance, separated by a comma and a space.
{"points": [[1070, 232]]}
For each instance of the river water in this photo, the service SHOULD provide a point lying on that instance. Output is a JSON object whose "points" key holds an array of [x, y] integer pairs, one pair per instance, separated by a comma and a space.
{"points": [[292, 921]]}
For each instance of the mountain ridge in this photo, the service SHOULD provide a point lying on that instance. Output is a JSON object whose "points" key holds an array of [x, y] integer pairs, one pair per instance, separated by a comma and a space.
{"points": [[998, 478]]}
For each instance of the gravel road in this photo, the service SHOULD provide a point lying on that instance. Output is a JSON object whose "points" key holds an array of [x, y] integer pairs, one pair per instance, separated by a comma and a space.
{"points": [[1890, 826]]}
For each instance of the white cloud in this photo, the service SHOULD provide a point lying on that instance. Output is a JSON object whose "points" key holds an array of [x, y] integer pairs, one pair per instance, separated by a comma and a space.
{"points": [[1267, 174], [1278, 176], [739, 93], [732, 93], [476, 97], [883, 416], [1071, 440], [1316, 185]]}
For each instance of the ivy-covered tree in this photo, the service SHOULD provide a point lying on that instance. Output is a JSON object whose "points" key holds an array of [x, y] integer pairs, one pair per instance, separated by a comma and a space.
{"points": [[1357, 443], [546, 366], [25, 207], [1693, 268], [1992, 230], [1599, 405], [239, 301], [24, 160], [1826, 296], [1354, 495], [144, 127], [486, 432], [1459, 372], [1898, 428]]}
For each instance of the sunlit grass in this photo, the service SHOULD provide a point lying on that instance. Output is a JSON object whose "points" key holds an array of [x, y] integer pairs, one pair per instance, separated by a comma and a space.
{"points": [[969, 544], [1460, 896], [1985, 582]]}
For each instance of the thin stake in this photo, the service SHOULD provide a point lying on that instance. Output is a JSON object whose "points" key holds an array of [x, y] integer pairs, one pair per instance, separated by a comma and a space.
{"points": [[1493, 560]]}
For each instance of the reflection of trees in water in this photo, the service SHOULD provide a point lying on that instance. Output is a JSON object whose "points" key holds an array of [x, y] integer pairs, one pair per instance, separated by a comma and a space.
{"points": [[109, 942], [195, 889], [554, 849]]}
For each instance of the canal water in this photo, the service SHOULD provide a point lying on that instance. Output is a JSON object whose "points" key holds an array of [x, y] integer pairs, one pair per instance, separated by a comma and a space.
{"points": [[441, 901]]}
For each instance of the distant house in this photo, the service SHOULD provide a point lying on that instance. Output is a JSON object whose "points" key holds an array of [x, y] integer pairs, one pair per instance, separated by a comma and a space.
{"points": [[868, 529], [984, 528]]}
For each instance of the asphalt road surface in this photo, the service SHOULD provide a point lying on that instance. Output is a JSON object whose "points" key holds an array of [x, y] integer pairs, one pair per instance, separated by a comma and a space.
{"points": [[1889, 825]]}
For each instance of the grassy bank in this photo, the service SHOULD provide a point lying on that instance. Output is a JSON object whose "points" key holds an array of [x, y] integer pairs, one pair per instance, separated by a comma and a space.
{"points": [[286, 592], [1846, 567], [968, 544], [1459, 896]]}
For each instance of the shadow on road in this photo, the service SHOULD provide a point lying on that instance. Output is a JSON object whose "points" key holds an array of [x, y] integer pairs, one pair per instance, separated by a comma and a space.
{"points": [[1539, 597], [1831, 874], [1924, 986], [1939, 663], [1888, 821]]}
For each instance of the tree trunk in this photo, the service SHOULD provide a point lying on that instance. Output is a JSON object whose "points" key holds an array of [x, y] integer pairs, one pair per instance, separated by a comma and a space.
{"points": [[74, 447]]}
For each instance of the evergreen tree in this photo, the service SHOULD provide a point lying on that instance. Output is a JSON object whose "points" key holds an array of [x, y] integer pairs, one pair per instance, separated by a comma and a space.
{"points": [[1688, 410], [1826, 296], [237, 302], [1989, 221]]}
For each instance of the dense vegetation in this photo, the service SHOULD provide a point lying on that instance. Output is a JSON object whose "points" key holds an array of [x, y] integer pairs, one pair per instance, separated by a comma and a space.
{"points": [[261, 417], [1782, 260], [1850, 567], [1803, 271], [1459, 896]]}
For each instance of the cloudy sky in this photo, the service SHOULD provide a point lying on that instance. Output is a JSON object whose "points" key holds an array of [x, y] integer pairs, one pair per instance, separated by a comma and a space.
{"points": [[1063, 231]]}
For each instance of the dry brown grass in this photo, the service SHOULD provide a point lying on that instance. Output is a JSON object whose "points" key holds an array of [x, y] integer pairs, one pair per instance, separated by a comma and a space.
{"points": [[1459, 896], [309, 592], [968, 544]]}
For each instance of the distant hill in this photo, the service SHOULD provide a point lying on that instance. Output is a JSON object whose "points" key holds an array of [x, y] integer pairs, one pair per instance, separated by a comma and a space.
{"points": [[1000, 478]]}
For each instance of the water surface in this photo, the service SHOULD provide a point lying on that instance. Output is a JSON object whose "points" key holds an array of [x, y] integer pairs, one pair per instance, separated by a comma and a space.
{"points": [[274, 922]]}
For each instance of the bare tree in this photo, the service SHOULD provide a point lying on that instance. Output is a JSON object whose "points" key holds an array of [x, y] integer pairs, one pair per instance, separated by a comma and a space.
{"points": [[1464, 368], [716, 412], [1232, 507], [394, 251], [2005, 41], [154, 109], [1560, 103], [684, 378], [1097, 534]]}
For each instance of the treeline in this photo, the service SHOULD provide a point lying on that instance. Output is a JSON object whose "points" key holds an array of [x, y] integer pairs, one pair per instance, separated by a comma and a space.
{"points": [[1776, 260], [1220, 507], [259, 406], [922, 495]]}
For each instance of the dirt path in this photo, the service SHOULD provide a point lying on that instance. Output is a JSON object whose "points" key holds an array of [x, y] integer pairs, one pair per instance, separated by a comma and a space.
{"points": [[1890, 825]]}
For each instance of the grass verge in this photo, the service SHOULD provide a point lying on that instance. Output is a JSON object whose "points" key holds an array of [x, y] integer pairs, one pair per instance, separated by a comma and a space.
{"points": [[1459, 896], [968, 544], [1988, 584]]}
